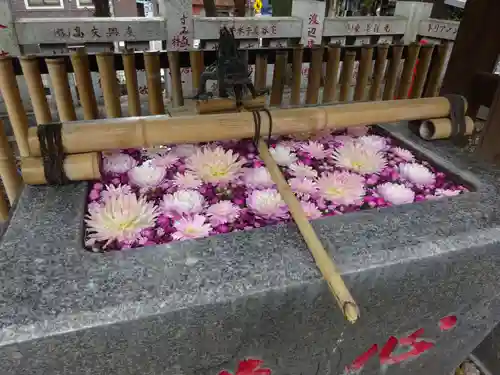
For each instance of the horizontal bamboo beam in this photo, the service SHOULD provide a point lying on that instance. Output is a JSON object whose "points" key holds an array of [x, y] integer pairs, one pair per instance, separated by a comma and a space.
{"points": [[223, 105], [99, 135]]}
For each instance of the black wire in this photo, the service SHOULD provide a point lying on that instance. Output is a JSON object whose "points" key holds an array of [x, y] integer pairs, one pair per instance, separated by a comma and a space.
{"points": [[257, 119]]}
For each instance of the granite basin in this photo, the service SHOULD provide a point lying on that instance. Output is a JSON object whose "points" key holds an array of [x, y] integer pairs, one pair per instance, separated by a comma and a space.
{"points": [[425, 276]]}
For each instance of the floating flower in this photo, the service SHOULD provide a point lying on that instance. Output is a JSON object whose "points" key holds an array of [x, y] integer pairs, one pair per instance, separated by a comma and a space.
{"points": [[146, 176], [215, 166], [112, 191], [121, 218], [165, 161], [223, 212], [343, 139], [375, 142], [154, 152], [403, 154], [182, 203], [441, 193], [311, 210], [315, 150], [185, 151], [322, 136], [300, 170], [257, 178], [291, 144], [186, 180], [267, 204], [356, 157], [118, 163], [191, 227], [303, 187], [341, 187], [357, 131], [396, 193], [283, 155], [416, 173]]}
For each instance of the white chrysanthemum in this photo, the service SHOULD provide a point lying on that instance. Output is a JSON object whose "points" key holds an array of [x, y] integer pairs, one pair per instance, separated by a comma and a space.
{"points": [[300, 170], [191, 227], [117, 162], [303, 187], [355, 157], [186, 180], [112, 191], [121, 218], [223, 212], [214, 165], [182, 203], [403, 154], [153, 152], [344, 188], [165, 160], [416, 173], [267, 204], [442, 193], [257, 178], [283, 155], [374, 142], [315, 150], [146, 176], [185, 150], [396, 193]]}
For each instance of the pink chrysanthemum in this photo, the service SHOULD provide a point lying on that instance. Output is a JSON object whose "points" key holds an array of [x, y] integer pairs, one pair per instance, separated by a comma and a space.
{"points": [[311, 210], [315, 150], [257, 178], [303, 187], [396, 193], [215, 166], [146, 176], [403, 154], [117, 163], [416, 173], [223, 212], [112, 191], [267, 204], [120, 218], [186, 180], [355, 157], [191, 227], [343, 188], [300, 170], [185, 150], [182, 203], [165, 161], [357, 131]]}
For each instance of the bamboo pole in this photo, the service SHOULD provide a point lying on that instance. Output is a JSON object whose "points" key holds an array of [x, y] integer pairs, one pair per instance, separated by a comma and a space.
{"points": [[175, 75], [392, 73], [260, 71], [332, 74], [364, 72], [278, 79], [153, 77], [134, 104], [60, 84], [197, 66], [346, 75], [80, 62], [436, 71], [14, 104], [4, 208], [298, 54], [109, 84], [424, 62], [379, 70], [99, 135], [441, 128], [226, 105], [408, 68], [11, 179], [314, 76], [33, 79], [323, 260]]}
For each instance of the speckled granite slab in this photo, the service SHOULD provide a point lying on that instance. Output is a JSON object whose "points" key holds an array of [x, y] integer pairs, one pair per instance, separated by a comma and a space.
{"points": [[199, 307]]}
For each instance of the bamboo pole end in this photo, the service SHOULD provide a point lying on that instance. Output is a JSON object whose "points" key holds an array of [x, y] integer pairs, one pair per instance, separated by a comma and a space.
{"points": [[351, 311]]}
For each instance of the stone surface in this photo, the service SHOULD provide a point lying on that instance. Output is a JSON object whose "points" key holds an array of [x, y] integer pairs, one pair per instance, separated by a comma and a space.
{"points": [[199, 307]]}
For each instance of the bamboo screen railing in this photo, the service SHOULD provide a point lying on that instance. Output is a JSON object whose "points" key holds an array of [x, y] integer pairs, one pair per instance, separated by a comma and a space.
{"points": [[385, 72]]}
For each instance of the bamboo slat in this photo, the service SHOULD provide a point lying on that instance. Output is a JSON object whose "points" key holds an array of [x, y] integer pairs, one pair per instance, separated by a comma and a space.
{"points": [[424, 62], [99, 135], [323, 260], [153, 77], [392, 73], [408, 69], [60, 85], [332, 76], [260, 77], [278, 79], [296, 75], [436, 70], [109, 84], [175, 75], [364, 72], [378, 71], [14, 104], [11, 179], [80, 62], [314, 76], [33, 79], [197, 66], [134, 104], [346, 75]]}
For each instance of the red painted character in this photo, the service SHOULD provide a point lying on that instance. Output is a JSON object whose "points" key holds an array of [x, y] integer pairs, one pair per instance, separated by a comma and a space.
{"points": [[249, 367]]}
